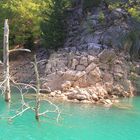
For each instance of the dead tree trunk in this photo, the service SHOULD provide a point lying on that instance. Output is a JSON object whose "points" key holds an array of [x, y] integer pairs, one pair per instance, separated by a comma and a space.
{"points": [[38, 90], [6, 61]]}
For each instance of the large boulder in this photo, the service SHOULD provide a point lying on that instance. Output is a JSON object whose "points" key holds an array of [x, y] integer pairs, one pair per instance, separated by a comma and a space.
{"points": [[118, 69], [107, 56], [69, 75], [91, 59], [84, 61], [75, 62], [66, 86], [107, 77], [91, 67], [80, 67], [94, 76], [94, 49]]}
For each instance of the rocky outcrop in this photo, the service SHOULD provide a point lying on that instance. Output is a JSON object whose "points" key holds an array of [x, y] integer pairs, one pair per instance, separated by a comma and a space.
{"points": [[91, 67], [100, 78]]}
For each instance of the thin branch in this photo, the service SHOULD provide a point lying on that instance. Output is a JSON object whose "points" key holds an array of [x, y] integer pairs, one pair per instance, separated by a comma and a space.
{"points": [[20, 113], [23, 84], [44, 60], [16, 50]]}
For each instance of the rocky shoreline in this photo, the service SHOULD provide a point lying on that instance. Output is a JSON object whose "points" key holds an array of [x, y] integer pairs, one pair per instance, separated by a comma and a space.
{"points": [[94, 66], [100, 78]]}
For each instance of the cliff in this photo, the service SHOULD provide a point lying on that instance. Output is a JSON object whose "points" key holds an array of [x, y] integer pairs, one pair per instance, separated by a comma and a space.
{"points": [[95, 65]]}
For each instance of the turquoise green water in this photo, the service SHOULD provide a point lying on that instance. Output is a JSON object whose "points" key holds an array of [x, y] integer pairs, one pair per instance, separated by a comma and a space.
{"points": [[78, 122]]}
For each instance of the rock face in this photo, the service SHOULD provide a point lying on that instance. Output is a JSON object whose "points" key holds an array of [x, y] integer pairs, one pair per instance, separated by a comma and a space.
{"points": [[93, 78], [88, 69], [21, 68]]}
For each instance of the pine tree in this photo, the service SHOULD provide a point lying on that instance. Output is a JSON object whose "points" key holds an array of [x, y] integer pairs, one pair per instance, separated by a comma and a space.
{"points": [[54, 25]]}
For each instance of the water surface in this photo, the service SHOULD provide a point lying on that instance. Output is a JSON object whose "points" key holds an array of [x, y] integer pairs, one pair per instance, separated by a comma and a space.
{"points": [[78, 122]]}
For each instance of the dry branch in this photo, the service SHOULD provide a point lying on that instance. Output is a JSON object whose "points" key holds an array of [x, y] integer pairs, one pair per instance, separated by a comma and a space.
{"points": [[5, 84], [16, 50], [25, 106]]}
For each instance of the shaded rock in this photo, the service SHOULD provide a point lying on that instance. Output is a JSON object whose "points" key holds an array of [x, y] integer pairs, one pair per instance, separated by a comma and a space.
{"points": [[71, 96], [91, 58], [75, 62], [81, 97], [94, 48], [104, 67], [52, 94], [48, 69], [69, 75], [128, 87], [107, 77], [107, 56], [118, 77], [46, 91], [117, 90], [80, 74], [100, 89], [108, 86], [90, 67], [94, 76], [94, 97], [66, 86], [118, 69], [82, 91], [80, 67], [84, 61], [137, 69], [118, 13], [58, 93], [81, 81]]}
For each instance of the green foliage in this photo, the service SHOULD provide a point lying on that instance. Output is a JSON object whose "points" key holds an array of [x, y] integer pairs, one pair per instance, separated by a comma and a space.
{"points": [[88, 24], [131, 6], [53, 25], [135, 12], [30, 20], [134, 36], [1, 53], [89, 4], [24, 18], [101, 17]]}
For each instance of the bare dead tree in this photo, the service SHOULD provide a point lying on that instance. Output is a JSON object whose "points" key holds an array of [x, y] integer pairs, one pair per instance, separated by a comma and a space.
{"points": [[5, 84], [6, 65], [38, 89], [25, 106], [6, 61]]}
